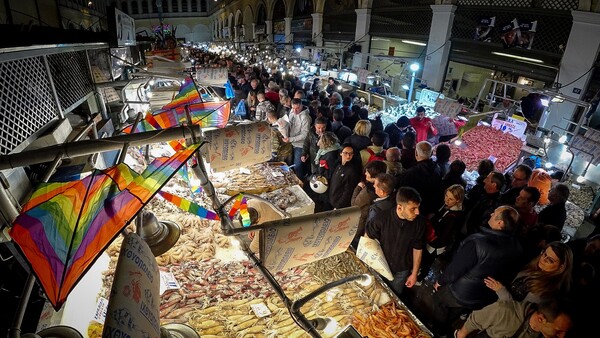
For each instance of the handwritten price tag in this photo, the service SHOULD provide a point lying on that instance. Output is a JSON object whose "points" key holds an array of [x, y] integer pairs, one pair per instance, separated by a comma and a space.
{"points": [[260, 310], [101, 308]]}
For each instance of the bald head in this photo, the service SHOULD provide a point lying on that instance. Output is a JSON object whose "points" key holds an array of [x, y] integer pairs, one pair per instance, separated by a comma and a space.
{"points": [[423, 150]]}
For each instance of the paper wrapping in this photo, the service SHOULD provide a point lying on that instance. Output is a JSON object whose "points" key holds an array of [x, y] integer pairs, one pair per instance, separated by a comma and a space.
{"points": [[291, 242], [133, 308], [369, 251], [238, 146]]}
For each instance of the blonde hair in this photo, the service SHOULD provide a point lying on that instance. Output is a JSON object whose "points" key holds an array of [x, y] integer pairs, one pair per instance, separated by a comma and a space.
{"points": [[328, 139], [363, 128], [458, 192]]}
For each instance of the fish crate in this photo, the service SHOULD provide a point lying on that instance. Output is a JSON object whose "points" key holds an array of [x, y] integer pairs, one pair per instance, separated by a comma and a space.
{"points": [[292, 199]]}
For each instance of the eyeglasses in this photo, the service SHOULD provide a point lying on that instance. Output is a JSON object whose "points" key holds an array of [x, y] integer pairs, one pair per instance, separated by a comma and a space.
{"points": [[547, 259], [347, 153]]}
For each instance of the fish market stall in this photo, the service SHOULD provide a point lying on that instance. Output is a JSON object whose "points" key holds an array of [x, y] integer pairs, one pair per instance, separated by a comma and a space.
{"points": [[482, 142], [209, 284]]}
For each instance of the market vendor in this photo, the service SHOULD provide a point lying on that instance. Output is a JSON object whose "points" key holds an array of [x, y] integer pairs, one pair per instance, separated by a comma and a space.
{"points": [[422, 125]]}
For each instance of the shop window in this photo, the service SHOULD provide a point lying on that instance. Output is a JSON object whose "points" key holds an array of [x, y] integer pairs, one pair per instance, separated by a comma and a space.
{"points": [[145, 7], [203, 5], [175, 6], [194, 5], [184, 5], [134, 7]]}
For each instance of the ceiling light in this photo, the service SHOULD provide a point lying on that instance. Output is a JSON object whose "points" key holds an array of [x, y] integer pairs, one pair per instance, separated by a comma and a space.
{"points": [[518, 57], [417, 43]]}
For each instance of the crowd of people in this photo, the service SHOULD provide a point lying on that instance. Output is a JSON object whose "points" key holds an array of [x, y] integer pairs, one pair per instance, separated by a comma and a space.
{"points": [[502, 269]]}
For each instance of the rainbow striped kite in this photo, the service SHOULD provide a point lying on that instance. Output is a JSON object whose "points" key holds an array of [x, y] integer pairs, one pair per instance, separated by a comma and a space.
{"points": [[188, 94], [64, 227], [241, 205], [189, 206], [204, 114]]}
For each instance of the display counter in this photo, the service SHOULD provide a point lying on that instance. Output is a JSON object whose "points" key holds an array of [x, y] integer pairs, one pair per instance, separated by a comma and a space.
{"points": [[208, 282]]}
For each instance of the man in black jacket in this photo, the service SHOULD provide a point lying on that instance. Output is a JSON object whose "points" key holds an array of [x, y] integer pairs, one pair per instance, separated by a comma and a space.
{"points": [[425, 178], [338, 127], [401, 233], [491, 252], [344, 179], [520, 178]]}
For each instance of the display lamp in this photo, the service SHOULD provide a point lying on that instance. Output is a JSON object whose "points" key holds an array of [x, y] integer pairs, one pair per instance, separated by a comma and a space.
{"points": [[160, 235], [457, 142], [415, 67], [339, 87], [548, 165], [580, 179], [405, 87], [562, 139]]}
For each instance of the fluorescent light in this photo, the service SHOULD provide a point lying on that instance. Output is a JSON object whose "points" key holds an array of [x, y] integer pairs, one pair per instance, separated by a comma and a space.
{"points": [[544, 102], [411, 42], [405, 87], [518, 57], [537, 64]]}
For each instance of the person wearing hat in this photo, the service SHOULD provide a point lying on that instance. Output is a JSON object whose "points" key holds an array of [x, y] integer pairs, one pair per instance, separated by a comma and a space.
{"points": [[423, 125], [397, 130]]}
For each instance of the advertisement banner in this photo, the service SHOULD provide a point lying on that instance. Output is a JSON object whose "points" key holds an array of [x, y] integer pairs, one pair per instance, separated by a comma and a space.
{"points": [[483, 31], [510, 33], [133, 307], [527, 30], [279, 27], [301, 25], [237, 146], [291, 242]]}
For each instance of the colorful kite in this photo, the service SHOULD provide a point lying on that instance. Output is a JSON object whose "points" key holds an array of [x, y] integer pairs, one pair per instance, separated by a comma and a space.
{"points": [[65, 227], [204, 114], [242, 205], [189, 206]]}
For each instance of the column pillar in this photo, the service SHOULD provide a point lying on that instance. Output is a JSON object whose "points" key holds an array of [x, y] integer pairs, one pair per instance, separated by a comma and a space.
{"points": [[269, 30], [436, 59], [580, 55], [254, 31], [317, 29], [288, 33], [363, 23]]}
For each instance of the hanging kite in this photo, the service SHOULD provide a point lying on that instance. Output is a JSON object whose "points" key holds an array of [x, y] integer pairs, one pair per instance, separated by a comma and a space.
{"points": [[204, 114], [65, 227]]}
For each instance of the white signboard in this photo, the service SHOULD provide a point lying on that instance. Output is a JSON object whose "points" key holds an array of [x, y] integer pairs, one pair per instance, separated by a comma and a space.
{"points": [[428, 97], [212, 76], [512, 126], [363, 75], [291, 242], [125, 29]]}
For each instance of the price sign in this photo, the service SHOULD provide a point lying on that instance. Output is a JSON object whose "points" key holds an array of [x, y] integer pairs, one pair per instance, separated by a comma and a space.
{"points": [[447, 107], [429, 96], [513, 126]]}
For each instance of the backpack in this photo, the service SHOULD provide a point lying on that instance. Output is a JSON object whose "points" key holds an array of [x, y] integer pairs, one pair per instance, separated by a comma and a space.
{"points": [[375, 156]]}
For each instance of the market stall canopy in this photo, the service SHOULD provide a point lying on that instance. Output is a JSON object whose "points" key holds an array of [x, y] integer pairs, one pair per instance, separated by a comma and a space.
{"points": [[65, 226]]}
